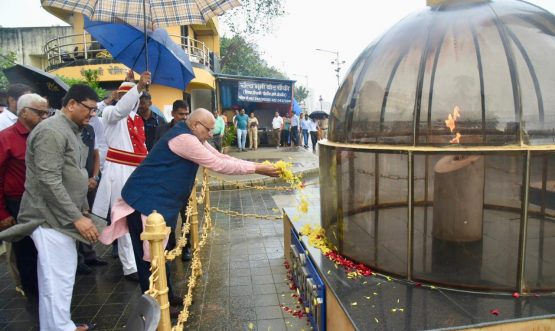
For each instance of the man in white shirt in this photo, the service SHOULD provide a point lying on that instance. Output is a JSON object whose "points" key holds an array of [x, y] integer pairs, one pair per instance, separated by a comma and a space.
{"points": [[295, 121], [277, 125], [8, 117]]}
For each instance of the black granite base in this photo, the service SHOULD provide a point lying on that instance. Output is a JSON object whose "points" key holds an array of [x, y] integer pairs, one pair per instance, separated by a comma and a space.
{"points": [[381, 302]]}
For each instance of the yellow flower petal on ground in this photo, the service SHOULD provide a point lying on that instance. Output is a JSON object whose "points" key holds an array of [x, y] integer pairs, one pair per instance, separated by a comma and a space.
{"points": [[303, 206], [251, 326]]}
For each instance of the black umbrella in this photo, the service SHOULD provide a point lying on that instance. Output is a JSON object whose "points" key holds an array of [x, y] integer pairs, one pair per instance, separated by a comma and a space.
{"points": [[43, 83], [318, 115]]}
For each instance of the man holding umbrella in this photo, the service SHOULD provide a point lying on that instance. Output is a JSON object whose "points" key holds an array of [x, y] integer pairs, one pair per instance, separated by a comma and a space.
{"points": [[125, 135]]}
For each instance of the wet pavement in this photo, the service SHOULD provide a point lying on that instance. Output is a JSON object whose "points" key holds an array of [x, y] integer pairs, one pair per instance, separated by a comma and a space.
{"points": [[244, 281]]}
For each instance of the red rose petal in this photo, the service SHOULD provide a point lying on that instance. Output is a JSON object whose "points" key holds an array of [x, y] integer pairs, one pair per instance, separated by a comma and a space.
{"points": [[494, 312]]}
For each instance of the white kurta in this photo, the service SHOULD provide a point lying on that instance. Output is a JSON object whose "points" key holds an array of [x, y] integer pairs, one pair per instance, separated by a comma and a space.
{"points": [[116, 133], [115, 175], [56, 266]]}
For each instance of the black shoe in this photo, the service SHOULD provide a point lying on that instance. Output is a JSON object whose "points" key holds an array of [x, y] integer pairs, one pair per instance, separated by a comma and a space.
{"points": [[186, 255], [83, 269], [132, 277], [96, 261]]}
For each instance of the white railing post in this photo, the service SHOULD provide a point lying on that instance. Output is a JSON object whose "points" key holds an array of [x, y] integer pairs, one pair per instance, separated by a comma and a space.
{"points": [[85, 45]]}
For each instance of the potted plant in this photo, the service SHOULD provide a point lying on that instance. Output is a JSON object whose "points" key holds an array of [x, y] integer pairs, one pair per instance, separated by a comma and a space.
{"points": [[229, 138]]}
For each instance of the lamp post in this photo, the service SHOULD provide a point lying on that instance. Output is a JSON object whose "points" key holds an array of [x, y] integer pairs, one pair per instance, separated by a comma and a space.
{"points": [[338, 63], [321, 99]]}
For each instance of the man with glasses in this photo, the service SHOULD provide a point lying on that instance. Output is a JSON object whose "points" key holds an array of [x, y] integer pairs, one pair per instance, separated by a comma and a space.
{"points": [[164, 180], [54, 208], [125, 136], [32, 109]]}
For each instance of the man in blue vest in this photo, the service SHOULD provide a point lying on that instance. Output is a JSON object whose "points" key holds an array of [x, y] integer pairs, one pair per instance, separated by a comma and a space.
{"points": [[164, 180]]}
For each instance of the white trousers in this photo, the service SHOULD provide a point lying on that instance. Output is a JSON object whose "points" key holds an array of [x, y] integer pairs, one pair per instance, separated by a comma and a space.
{"points": [[126, 255], [56, 266]]}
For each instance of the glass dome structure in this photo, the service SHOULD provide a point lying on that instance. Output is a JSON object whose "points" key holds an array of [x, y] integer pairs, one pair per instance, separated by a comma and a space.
{"points": [[440, 163]]}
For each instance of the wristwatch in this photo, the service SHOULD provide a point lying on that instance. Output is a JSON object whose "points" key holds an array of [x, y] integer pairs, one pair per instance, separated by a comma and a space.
{"points": [[96, 178]]}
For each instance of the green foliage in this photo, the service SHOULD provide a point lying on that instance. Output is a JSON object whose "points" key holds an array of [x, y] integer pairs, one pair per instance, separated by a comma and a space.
{"points": [[254, 17], [301, 93], [229, 135], [6, 61], [90, 77], [241, 57]]}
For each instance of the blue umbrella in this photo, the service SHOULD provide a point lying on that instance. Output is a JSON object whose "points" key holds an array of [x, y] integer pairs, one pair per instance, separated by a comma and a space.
{"points": [[167, 61]]}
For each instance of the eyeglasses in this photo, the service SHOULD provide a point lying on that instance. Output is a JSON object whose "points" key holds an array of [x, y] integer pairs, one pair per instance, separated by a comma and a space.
{"points": [[207, 128], [39, 112], [91, 109]]}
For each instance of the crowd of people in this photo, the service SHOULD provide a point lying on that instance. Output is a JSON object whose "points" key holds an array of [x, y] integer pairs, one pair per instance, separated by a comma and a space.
{"points": [[288, 130], [93, 171]]}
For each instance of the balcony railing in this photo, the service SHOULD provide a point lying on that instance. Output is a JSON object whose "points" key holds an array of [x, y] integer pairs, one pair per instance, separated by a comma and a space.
{"points": [[79, 50]]}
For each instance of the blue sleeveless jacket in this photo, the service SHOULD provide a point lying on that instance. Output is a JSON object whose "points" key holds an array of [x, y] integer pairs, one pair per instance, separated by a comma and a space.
{"points": [[163, 181]]}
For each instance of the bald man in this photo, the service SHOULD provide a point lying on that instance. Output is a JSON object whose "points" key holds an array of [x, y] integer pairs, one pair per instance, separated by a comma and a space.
{"points": [[164, 180]]}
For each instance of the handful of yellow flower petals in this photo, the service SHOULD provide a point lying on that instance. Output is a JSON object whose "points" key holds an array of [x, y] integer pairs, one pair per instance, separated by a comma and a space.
{"points": [[293, 180]]}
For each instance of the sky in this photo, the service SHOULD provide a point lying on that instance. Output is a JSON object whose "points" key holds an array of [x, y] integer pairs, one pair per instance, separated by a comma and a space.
{"points": [[345, 26]]}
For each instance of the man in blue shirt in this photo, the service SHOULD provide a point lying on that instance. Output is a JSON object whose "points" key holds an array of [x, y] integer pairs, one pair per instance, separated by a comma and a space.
{"points": [[241, 121]]}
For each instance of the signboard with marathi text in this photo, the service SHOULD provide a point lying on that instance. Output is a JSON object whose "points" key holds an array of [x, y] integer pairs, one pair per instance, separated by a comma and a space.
{"points": [[260, 91]]}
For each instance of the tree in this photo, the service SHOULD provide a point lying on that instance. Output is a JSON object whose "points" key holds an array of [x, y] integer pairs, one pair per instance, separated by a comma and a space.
{"points": [[90, 78], [6, 61], [241, 57], [301, 93], [253, 17]]}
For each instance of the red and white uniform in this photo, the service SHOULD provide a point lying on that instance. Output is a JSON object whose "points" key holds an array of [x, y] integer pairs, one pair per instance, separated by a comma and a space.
{"points": [[125, 137]]}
